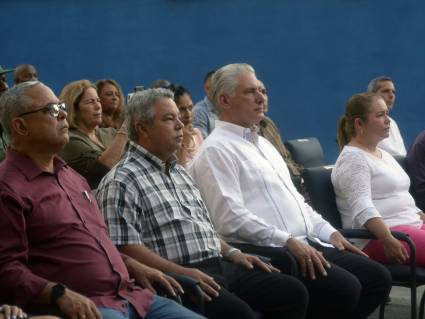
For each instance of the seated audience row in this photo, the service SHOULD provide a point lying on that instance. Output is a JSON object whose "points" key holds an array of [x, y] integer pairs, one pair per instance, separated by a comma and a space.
{"points": [[155, 214], [55, 248], [157, 218]]}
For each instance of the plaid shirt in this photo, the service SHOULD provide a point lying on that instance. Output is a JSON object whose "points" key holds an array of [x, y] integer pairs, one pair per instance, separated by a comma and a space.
{"points": [[146, 201]]}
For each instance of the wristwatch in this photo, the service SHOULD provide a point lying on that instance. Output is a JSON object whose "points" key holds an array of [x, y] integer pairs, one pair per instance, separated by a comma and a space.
{"points": [[58, 291]]}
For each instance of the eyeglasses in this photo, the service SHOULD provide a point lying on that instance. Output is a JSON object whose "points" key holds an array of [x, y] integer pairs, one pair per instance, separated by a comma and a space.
{"points": [[53, 108]]}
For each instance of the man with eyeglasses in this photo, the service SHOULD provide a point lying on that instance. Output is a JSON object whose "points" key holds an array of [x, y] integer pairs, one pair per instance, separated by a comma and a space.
{"points": [[54, 246]]}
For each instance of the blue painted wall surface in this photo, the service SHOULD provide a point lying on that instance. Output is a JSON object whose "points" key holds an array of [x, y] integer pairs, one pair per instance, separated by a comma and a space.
{"points": [[312, 55]]}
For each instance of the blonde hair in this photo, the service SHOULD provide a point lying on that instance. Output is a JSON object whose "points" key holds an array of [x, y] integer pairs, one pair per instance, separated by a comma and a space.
{"points": [[71, 94], [119, 114]]}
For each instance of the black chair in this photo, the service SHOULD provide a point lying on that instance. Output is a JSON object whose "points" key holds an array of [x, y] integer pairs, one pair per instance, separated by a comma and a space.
{"points": [[318, 183], [306, 151]]}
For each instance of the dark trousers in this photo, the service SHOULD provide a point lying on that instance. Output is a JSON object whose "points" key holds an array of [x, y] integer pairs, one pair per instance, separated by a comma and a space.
{"points": [[244, 292], [354, 287]]}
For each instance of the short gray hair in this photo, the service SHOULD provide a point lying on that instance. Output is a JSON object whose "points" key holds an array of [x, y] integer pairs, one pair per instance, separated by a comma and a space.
{"points": [[374, 84], [224, 81], [141, 108], [13, 102]]}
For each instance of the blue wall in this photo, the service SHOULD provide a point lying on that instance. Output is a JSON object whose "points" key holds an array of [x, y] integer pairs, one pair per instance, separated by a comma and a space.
{"points": [[312, 55]]}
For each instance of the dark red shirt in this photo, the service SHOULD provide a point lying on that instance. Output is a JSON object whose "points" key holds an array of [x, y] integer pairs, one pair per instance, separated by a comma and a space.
{"points": [[51, 229]]}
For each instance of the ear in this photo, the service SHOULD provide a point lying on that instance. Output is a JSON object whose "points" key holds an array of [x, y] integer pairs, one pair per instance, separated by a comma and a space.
{"points": [[19, 126], [223, 101], [358, 124], [142, 130]]}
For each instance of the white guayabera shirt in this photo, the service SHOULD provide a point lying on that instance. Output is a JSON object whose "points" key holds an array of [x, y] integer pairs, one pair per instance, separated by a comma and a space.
{"points": [[248, 190]]}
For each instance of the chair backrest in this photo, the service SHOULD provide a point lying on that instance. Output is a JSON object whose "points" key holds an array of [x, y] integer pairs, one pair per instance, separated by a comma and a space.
{"points": [[317, 181], [401, 160], [306, 151]]}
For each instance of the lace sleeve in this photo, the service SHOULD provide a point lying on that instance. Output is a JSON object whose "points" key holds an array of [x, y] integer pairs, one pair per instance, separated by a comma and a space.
{"points": [[352, 183]]}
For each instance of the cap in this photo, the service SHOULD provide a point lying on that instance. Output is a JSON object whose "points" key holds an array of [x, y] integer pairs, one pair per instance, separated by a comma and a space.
{"points": [[3, 71]]}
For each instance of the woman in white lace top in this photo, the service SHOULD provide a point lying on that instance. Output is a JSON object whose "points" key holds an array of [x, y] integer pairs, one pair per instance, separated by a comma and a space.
{"points": [[372, 190]]}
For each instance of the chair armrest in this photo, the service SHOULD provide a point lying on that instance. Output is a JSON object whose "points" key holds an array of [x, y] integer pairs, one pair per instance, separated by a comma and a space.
{"points": [[365, 234]]}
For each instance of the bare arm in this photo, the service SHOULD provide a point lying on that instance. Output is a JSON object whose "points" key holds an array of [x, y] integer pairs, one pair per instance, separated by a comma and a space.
{"points": [[394, 250], [113, 153]]}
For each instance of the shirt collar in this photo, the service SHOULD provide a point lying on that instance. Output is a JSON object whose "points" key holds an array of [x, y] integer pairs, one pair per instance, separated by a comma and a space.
{"points": [[249, 134], [137, 150], [27, 166]]}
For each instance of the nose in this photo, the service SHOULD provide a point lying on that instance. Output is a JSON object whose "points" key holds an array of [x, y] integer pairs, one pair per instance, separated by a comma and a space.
{"points": [[387, 118], [179, 124], [98, 104], [62, 115], [260, 97]]}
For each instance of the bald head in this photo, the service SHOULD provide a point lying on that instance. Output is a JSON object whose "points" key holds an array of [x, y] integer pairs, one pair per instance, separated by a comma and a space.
{"points": [[24, 73]]}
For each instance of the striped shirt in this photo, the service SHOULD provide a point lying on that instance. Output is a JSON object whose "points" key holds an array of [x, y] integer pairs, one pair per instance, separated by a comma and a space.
{"points": [[147, 201]]}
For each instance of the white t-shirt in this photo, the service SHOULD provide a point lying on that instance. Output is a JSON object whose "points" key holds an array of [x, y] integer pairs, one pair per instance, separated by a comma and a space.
{"points": [[393, 144], [367, 186]]}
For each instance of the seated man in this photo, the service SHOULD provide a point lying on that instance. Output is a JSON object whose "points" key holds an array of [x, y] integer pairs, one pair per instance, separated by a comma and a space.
{"points": [[415, 161], [54, 245], [155, 214], [249, 193]]}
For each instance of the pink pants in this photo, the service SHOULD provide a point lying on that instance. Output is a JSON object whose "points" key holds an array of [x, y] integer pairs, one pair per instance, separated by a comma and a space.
{"points": [[375, 249]]}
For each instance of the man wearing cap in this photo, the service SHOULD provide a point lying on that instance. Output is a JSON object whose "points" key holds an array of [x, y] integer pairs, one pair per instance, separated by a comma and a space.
{"points": [[3, 79], [3, 87], [54, 244]]}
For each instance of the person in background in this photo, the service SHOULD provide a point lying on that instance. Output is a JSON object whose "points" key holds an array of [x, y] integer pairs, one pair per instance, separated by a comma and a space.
{"points": [[25, 72], [384, 86], [4, 142], [91, 151], [192, 137], [160, 83], [55, 252], [113, 103], [204, 111], [268, 129], [3, 79], [415, 161], [372, 189]]}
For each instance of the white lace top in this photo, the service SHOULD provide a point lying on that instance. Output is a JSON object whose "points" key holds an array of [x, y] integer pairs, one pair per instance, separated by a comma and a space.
{"points": [[367, 187]]}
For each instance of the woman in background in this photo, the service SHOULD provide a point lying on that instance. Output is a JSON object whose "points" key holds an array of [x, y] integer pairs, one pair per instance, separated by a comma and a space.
{"points": [[112, 100], [91, 151], [372, 189], [192, 137]]}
